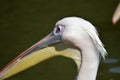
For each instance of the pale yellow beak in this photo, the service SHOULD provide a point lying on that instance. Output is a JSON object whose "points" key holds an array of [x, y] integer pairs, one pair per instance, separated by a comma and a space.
{"points": [[48, 47]]}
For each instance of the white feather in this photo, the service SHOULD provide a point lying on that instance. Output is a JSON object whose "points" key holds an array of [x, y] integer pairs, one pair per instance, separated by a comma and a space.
{"points": [[90, 29]]}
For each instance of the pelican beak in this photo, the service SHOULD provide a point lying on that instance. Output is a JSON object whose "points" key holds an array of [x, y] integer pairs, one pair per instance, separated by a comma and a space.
{"points": [[7, 70], [116, 15], [42, 50]]}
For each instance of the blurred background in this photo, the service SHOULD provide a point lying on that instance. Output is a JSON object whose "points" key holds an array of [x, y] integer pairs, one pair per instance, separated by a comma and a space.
{"points": [[24, 22]]}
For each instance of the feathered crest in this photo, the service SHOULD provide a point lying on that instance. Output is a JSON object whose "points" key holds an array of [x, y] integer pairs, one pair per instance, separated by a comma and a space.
{"points": [[90, 29]]}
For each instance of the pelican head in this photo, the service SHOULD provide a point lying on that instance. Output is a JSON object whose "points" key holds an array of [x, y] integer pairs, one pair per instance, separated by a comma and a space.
{"points": [[79, 33], [71, 31]]}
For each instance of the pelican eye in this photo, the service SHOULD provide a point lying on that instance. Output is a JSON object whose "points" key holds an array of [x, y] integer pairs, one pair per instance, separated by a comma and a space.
{"points": [[58, 30]]}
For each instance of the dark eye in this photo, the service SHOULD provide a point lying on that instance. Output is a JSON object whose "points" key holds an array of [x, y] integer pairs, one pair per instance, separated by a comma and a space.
{"points": [[58, 29]]}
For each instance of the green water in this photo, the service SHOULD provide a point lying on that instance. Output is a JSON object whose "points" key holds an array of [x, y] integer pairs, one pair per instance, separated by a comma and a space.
{"points": [[24, 22]]}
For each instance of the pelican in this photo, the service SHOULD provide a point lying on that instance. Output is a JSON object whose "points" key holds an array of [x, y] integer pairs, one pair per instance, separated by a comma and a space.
{"points": [[116, 15], [71, 37]]}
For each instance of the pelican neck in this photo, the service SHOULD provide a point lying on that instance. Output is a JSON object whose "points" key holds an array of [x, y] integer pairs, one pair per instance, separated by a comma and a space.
{"points": [[89, 63]]}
